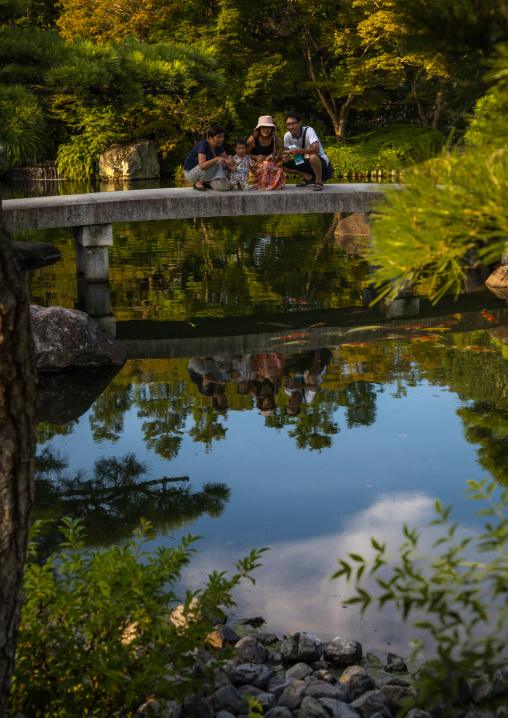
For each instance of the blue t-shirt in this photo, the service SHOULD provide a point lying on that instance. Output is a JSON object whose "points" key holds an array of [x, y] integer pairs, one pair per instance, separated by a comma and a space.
{"points": [[202, 148]]}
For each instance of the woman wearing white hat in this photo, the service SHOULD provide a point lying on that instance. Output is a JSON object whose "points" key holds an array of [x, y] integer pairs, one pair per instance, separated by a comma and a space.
{"points": [[264, 147]]}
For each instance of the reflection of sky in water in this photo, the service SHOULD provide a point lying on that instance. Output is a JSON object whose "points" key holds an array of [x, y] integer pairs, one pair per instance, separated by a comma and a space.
{"points": [[312, 507]]}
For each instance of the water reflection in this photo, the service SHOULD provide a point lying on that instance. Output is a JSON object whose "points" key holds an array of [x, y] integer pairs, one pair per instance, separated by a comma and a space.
{"points": [[111, 498], [309, 452]]}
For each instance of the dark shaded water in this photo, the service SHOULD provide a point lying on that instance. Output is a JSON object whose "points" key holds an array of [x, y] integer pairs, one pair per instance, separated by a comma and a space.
{"points": [[307, 444]]}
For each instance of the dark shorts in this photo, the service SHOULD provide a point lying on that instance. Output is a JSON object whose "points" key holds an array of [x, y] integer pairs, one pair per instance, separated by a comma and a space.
{"points": [[305, 166]]}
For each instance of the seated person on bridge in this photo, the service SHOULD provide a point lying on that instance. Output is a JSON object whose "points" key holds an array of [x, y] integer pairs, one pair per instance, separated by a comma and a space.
{"points": [[206, 162], [304, 155]]}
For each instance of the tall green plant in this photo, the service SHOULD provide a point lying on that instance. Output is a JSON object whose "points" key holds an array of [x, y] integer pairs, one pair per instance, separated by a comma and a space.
{"points": [[96, 635], [22, 124], [459, 598]]}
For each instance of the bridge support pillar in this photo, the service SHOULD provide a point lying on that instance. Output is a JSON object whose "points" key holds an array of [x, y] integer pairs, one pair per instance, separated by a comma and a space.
{"points": [[92, 265], [92, 259]]}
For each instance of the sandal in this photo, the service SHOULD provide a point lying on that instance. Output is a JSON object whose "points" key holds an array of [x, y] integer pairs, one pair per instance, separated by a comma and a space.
{"points": [[304, 182], [318, 186]]}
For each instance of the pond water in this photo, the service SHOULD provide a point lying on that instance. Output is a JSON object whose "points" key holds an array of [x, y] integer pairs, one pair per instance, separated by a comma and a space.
{"points": [[308, 445]]}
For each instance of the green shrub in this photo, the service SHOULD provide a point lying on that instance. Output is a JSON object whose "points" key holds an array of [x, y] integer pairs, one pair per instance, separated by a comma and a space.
{"points": [[78, 158], [22, 125], [390, 148], [460, 598], [95, 635]]}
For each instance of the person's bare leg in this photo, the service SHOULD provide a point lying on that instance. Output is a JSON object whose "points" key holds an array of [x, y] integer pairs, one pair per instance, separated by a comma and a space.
{"points": [[298, 173], [317, 167]]}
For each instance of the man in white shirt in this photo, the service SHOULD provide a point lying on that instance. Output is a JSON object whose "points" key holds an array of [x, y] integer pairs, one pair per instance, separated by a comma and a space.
{"points": [[302, 143]]}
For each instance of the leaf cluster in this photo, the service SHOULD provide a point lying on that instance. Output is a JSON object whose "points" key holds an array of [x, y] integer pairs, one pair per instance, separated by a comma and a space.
{"points": [[96, 635], [458, 598]]}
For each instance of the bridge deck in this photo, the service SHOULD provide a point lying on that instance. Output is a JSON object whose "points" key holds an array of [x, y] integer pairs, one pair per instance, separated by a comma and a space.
{"points": [[80, 210]]}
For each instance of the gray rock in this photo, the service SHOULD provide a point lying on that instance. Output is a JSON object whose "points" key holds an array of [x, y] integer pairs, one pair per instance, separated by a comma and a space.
{"points": [[338, 709], [254, 621], [197, 707], [398, 682], [322, 689], [350, 671], [394, 664], [397, 697], [224, 714], [301, 646], [267, 701], [358, 684], [131, 162], [223, 637], [274, 657], [266, 639], [278, 712], [485, 688], [325, 675], [34, 255], [229, 699], [277, 686], [371, 703], [293, 695], [250, 651], [343, 651], [249, 691], [299, 671], [480, 714], [418, 713], [416, 663], [251, 674], [312, 708], [68, 338]]}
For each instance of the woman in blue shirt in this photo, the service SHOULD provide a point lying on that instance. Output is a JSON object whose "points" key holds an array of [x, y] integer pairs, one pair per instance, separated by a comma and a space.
{"points": [[207, 161]]}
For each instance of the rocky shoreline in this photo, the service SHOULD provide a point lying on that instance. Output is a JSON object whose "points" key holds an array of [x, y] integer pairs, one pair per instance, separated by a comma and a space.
{"points": [[299, 676]]}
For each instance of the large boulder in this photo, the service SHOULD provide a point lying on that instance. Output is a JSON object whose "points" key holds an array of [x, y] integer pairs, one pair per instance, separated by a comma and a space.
{"points": [[68, 338], [34, 255], [132, 162]]}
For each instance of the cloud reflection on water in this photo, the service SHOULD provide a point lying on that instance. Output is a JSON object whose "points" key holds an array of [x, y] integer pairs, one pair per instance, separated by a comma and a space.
{"points": [[293, 591]]}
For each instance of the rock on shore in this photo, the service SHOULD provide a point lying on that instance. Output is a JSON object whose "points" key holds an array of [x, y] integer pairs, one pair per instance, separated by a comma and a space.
{"points": [[307, 679]]}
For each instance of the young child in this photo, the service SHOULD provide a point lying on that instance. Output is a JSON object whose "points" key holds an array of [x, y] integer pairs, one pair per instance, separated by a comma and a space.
{"points": [[239, 176]]}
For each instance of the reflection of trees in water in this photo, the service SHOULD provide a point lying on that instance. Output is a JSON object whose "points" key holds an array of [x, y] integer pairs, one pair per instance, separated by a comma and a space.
{"points": [[46, 432], [113, 497], [360, 402], [487, 425]]}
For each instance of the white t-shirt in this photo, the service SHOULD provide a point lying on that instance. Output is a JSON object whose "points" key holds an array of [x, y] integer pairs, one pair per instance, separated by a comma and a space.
{"points": [[310, 138]]}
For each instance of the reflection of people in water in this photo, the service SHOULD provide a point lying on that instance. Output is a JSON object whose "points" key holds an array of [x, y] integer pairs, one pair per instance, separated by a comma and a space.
{"points": [[268, 368], [303, 385], [210, 376]]}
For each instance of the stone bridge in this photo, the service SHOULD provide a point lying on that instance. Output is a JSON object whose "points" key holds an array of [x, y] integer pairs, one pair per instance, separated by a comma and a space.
{"points": [[90, 218]]}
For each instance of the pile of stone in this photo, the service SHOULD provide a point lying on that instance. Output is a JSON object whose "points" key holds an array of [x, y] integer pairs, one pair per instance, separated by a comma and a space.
{"points": [[302, 678]]}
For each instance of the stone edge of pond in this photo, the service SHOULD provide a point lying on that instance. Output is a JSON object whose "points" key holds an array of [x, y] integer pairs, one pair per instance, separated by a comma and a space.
{"points": [[300, 676]]}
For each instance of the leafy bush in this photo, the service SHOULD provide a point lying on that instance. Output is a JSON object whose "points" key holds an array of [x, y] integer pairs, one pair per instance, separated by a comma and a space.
{"points": [[390, 148], [462, 594], [78, 158], [95, 634], [22, 125]]}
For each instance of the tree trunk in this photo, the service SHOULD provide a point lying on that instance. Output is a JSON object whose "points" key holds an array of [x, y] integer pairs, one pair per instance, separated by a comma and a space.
{"points": [[418, 101], [17, 432], [439, 103], [344, 112]]}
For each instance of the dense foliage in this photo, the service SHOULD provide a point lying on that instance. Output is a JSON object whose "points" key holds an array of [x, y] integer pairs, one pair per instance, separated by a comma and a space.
{"points": [[165, 71], [95, 634]]}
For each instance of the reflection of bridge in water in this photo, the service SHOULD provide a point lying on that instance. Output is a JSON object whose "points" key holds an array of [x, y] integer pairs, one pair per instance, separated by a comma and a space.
{"points": [[254, 334]]}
